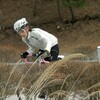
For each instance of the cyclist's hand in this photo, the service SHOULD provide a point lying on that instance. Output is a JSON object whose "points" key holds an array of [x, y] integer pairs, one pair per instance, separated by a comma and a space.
{"points": [[24, 55], [45, 54], [36, 55]]}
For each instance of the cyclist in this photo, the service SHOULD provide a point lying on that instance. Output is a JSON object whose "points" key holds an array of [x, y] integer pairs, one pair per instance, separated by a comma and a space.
{"points": [[37, 38]]}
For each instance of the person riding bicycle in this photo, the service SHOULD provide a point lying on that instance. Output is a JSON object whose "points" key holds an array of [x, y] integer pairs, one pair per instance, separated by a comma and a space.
{"points": [[37, 38]]}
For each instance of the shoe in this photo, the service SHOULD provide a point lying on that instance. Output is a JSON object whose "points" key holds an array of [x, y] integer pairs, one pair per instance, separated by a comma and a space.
{"points": [[60, 57]]}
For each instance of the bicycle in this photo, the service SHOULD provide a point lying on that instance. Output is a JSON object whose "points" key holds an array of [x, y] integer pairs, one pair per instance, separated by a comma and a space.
{"points": [[40, 59]]}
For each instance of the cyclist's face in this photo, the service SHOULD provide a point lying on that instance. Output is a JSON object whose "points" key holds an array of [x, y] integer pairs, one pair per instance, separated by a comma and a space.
{"points": [[23, 33]]}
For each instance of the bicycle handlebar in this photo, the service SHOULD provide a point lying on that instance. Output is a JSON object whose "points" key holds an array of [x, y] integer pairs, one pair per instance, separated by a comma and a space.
{"points": [[26, 61], [40, 60]]}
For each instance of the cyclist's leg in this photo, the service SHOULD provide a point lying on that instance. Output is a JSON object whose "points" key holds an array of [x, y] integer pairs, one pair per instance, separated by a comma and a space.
{"points": [[54, 52]]}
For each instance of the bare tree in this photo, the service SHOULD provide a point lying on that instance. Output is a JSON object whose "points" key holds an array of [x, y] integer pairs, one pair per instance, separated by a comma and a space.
{"points": [[58, 9], [34, 4], [71, 11], [71, 4]]}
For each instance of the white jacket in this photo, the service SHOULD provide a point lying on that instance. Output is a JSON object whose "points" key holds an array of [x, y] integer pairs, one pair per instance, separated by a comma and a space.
{"points": [[40, 39]]}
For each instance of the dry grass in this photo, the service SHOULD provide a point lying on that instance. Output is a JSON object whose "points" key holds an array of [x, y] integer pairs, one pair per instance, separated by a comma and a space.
{"points": [[8, 53], [83, 76], [47, 74], [61, 78]]}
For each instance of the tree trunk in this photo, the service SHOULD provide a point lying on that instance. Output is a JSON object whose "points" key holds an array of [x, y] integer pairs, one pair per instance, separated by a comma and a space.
{"points": [[58, 9], [71, 11], [34, 2]]}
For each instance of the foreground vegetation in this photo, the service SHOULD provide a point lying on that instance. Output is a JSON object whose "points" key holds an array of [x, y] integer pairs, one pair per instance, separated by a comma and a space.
{"points": [[58, 79]]}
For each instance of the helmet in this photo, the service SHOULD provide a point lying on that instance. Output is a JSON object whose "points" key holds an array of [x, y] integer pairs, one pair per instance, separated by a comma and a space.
{"points": [[19, 25]]}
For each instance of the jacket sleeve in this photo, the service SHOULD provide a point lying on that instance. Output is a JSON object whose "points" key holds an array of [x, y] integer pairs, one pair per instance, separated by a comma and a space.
{"points": [[48, 46], [31, 49], [47, 42]]}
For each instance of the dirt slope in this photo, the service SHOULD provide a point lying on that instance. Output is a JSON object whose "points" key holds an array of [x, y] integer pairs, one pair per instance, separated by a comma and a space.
{"points": [[82, 36]]}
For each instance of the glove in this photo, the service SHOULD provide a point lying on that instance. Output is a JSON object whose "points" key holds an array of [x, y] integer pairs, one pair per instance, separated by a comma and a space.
{"points": [[45, 54], [42, 53], [24, 55], [36, 55]]}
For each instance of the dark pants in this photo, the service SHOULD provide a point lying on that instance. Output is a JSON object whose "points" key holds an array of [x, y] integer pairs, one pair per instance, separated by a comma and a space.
{"points": [[54, 53]]}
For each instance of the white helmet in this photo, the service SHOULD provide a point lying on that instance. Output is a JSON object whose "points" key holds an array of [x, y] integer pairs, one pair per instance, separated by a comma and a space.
{"points": [[18, 25]]}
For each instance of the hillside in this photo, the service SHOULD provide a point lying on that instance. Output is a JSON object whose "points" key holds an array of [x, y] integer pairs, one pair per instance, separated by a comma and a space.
{"points": [[83, 37], [84, 31]]}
